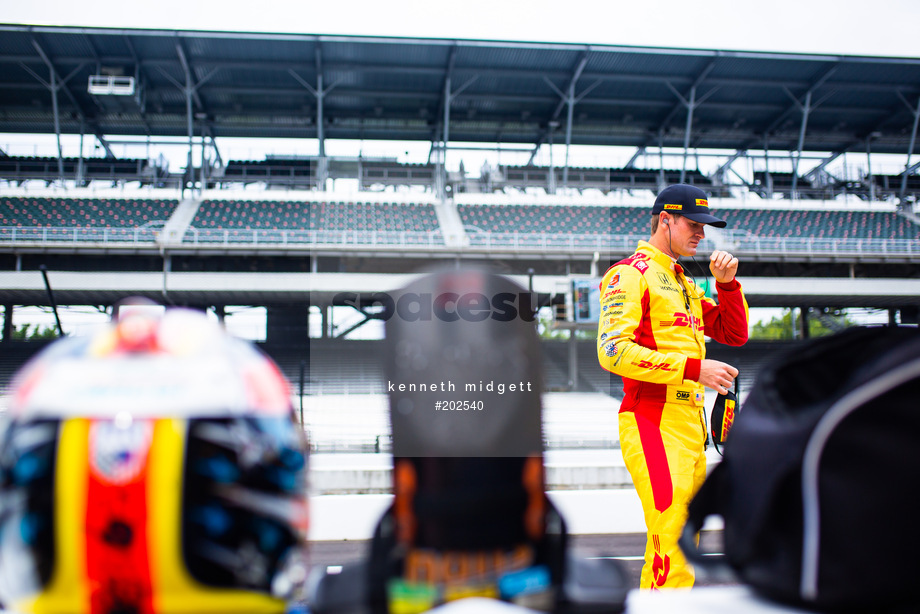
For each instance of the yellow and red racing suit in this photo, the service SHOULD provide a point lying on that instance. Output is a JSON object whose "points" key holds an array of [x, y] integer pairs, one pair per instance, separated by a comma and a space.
{"points": [[651, 332]]}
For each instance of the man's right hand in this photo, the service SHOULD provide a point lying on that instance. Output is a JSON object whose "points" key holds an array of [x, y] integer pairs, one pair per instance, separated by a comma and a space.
{"points": [[717, 375]]}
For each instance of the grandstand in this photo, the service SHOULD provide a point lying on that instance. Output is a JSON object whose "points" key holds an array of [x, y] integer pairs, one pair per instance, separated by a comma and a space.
{"points": [[279, 232], [19, 169], [364, 218], [84, 212], [276, 171], [874, 187]]}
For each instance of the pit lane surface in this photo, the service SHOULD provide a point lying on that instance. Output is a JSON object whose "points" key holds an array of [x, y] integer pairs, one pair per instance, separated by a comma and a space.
{"points": [[627, 547]]}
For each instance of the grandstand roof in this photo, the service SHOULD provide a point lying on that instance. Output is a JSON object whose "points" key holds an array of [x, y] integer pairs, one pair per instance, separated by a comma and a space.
{"points": [[269, 85]]}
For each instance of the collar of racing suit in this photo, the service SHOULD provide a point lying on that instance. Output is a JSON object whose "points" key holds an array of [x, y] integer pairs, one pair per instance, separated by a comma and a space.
{"points": [[659, 256], [655, 254]]}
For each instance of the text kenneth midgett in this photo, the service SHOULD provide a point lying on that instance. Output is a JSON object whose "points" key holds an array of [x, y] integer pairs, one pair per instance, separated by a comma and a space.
{"points": [[448, 386]]}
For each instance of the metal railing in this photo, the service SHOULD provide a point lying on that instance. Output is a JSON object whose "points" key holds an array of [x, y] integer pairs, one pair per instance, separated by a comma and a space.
{"points": [[317, 238], [57, 235], [826, 246], [488, 241]]}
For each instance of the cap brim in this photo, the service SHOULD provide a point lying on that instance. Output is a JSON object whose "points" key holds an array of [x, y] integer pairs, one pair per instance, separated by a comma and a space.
{"points": [[705, 218]]}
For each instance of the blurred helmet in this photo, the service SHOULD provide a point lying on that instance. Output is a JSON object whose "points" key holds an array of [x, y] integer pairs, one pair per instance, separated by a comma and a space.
{"points": [[154, 466]]}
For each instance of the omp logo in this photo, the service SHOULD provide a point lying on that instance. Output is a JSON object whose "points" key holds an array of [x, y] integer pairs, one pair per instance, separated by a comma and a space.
{"points": [[702, 202], [681, 319], [423, 565], [728, 418], [651, 366], [682, 395], [661, 565]]}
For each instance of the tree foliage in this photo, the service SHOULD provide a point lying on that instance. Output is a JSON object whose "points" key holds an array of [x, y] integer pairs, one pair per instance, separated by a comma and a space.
{"points": [[34, 333], [821, 322]]}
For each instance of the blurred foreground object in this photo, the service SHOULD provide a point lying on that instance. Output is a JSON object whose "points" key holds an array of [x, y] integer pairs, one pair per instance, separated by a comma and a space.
{"points": [[152, 467], [819, 466], [470, 515]]}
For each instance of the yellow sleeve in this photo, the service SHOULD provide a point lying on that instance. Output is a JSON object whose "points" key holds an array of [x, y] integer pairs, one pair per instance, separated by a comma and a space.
{"points": [[624, 300]]}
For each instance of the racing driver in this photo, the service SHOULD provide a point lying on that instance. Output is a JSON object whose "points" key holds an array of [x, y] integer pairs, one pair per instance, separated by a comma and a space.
{"points": [[652, 323]]}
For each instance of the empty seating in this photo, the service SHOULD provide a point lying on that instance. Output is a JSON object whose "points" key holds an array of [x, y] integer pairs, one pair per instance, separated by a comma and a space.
{"points": [[374, 217], [820, 224], [295, 215], [84, 212], [555, 219], [589, 220], [252, 215]]}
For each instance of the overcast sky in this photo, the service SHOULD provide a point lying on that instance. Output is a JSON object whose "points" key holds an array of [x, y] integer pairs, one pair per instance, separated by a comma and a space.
{"points": [[851, 27]]}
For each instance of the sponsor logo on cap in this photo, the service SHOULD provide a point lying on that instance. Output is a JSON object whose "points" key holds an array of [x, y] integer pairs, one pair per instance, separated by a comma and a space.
{"points": [[702, 202], [675, 207]]}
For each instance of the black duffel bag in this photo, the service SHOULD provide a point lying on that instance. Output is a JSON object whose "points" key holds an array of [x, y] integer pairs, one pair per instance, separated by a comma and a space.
{"points": [[818, 488]]}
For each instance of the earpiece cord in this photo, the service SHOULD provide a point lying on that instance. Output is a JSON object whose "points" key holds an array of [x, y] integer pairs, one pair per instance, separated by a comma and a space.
{"points": [[670, 247], [693, 260], [705, 272]]}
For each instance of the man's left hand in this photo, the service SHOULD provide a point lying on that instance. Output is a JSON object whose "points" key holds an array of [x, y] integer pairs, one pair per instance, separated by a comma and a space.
{"points": [[723, 266]]}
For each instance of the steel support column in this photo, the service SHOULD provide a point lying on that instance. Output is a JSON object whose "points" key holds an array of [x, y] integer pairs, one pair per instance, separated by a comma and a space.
{"points": [[570, 113], [442, 159], [323, 170], [806, 109], [189, 91], [869, 168], [190, 166], [551, 180], [54, 86], [766, 161], [910, 150], [319, 92], [320, 119], [80, 169], [689, 125], [567, 99], [661, 177]]}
